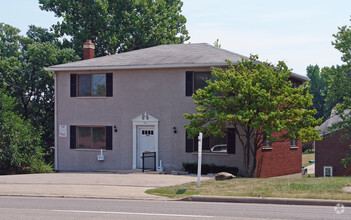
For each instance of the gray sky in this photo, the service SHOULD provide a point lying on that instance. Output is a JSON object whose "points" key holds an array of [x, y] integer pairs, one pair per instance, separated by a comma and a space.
{"points": [[297, 32]]}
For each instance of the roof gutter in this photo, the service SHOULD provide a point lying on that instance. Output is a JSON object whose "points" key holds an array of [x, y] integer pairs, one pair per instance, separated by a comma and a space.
{"points": [[192, 65], [133, 67], [305, 78]]}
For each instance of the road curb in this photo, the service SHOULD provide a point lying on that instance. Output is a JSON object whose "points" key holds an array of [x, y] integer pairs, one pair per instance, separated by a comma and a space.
{"points": [[281, 201], [85, 197]]}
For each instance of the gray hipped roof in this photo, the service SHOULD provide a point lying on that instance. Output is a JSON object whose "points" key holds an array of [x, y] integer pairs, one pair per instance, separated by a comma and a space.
{"points": [[334, 118], [168, 55], [162, 56]]}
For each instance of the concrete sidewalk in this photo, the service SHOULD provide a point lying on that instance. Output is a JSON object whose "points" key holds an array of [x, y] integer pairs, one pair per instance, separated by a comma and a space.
{"points": [[89, 185], [122, 185], [310, 169]]}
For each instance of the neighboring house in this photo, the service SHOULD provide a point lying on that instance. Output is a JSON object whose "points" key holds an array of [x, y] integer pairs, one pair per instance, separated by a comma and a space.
{"points": [[331, 150], [133, 102]]}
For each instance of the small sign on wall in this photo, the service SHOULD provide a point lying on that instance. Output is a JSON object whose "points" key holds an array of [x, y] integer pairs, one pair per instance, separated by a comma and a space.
{"points": [[63, 130]]}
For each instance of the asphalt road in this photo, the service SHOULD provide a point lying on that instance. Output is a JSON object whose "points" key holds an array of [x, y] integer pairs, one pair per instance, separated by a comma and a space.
{"points": [[64, 208]]}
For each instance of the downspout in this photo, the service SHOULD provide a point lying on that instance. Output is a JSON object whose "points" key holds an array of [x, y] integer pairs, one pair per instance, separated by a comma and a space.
{"points": [[56, 147]]}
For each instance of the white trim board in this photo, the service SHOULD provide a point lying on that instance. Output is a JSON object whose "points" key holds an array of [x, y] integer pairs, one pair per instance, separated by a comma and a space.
{"points": [[328, 167], [144, 120]]}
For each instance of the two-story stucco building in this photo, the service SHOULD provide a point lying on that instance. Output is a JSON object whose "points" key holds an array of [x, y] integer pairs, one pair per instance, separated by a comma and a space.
{"points": [[133, 102]]}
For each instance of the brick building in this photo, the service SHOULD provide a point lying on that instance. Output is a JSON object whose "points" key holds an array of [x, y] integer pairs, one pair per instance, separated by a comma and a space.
{"points": [[281, 158], [331, 150]]}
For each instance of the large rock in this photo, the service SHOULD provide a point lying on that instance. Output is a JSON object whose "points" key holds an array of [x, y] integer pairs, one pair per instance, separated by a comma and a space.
{"points": [[224, 176], [346, 189]]}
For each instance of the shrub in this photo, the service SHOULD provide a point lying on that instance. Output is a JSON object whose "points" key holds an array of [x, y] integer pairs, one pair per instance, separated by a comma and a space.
{"points": [[39, 166], [307, 147], [209, 168]]}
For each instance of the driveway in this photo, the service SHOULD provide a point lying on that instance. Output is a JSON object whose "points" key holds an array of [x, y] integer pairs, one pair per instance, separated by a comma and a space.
{"points": [[310, 169], [89, 185]]}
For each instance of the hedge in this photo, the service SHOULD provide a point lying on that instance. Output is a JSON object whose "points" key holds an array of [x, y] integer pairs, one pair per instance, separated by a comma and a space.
{"points": [[209, 168]]}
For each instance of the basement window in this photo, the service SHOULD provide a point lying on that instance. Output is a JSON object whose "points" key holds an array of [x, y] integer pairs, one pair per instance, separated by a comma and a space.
{"points": [[327, 171]]}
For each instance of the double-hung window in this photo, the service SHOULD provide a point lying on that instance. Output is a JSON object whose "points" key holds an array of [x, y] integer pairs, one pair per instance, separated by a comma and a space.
{"points": [[94, 85], [195, 81], [200, 79], [265, 141], [91, 137]]}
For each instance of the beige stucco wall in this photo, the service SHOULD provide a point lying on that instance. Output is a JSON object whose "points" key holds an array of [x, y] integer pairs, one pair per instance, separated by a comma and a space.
{"points": [[159, 92]]}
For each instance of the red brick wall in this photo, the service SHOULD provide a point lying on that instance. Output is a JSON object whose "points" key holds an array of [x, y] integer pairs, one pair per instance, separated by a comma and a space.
{"points": [[329, 152], [280, 160]]}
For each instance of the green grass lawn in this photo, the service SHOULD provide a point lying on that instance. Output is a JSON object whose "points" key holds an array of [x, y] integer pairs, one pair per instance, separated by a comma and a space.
{"points": [[307, 157], [310, 188]]}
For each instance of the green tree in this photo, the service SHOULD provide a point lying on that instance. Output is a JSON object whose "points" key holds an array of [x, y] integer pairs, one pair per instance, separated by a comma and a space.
{"points": [[343, 42], [23, 76], [258, 100], [339, 95], [9, 40], [20, 144], [119, 25], [43, 35], [318, 89], [339, 86], [339, 80]]}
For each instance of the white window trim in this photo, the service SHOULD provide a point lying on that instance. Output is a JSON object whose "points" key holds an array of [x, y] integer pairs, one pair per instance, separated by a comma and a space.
{"points": [[331, 170]]}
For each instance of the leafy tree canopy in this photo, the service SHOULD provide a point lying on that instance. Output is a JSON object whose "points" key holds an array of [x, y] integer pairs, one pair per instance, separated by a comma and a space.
{"points": [[257, 99], [9, 40], [318, 89], [339, 86], [343, 43], [20, 144], [119, 25], [339, 79], [22, 75]]}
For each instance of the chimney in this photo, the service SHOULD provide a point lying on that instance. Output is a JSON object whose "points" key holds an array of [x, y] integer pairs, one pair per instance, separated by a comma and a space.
{"points": [[88, 50]]}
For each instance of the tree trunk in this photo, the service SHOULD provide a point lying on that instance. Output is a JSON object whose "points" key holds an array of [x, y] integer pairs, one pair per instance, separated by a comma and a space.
{"points": [[248, 158], [253, 169]]}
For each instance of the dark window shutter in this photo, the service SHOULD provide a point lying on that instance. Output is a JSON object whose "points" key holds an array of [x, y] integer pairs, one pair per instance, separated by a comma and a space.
{"points": [[108, 137], [109, 84], [196, 143], [206, 143], [189, 143], [73, 85], [231, 141], [73, 136], [189, 83]]}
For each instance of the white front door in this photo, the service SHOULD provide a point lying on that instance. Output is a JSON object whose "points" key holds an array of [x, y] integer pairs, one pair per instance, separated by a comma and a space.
{"points": [[146, 142]]}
